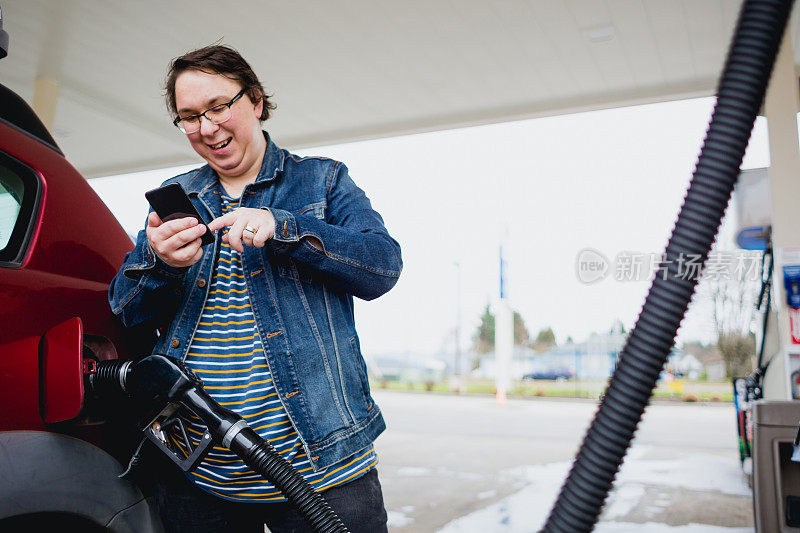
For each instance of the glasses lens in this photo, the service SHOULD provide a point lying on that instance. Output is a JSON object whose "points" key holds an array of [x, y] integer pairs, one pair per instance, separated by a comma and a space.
{"points": [[219, 114], [189, 126]]}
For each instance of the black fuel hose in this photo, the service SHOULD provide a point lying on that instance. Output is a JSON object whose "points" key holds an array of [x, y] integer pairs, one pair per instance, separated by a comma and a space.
{"points": [[739, 96], [259, 455], [164, 382], [264, 459]]}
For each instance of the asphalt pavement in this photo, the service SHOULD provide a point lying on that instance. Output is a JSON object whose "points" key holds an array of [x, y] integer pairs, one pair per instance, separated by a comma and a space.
{"points": [[465, 464]]}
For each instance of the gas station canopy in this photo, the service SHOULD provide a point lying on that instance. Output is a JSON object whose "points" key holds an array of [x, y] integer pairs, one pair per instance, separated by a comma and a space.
{"points": [[350, 70]]}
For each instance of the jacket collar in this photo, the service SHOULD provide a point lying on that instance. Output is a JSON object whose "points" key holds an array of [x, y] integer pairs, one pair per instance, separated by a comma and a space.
{"points": [[205, 177]]}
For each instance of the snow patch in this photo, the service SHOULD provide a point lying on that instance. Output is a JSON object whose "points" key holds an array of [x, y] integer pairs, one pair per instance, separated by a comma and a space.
{"points": [[398, 519], [700, 472], [623, 500], [528, 509]]}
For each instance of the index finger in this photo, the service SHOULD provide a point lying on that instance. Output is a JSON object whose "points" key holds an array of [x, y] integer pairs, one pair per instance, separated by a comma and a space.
{"points": [[223, 221]]}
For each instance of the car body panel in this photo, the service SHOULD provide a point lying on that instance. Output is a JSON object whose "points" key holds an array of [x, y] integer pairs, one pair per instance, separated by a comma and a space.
{"points": [[64, 248]]}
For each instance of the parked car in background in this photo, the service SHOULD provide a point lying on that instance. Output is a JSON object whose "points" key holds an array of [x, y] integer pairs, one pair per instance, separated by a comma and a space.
{"points": [[560, 374]]}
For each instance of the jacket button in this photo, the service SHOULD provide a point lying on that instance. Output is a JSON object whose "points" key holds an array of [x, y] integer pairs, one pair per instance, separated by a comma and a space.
{"points": [[175, 343], [201, 283], [285, 233]]}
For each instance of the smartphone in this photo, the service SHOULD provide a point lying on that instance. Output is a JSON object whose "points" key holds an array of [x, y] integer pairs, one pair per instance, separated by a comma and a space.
{"points": [[171, 202]]}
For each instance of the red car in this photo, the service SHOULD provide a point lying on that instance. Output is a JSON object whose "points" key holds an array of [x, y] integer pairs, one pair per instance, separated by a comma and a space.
{"points": [[59, 248]]}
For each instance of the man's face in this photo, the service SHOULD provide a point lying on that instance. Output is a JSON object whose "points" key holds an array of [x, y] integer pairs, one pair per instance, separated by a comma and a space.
{"points": [[234, 148]]}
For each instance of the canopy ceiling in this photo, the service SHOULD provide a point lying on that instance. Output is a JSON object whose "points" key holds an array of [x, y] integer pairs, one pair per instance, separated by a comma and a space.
{"points": [[356, 69]]}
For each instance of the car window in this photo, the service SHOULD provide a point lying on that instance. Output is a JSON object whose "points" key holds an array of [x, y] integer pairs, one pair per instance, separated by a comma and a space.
{"points": [[19, 194], [10, 201]]}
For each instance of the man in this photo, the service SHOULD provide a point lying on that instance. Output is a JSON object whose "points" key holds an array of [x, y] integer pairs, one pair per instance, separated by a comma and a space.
{"points": [[264, 316]]}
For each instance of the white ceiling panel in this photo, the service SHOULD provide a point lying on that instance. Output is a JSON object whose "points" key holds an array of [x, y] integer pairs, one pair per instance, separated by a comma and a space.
{"points": [[343, 70]]}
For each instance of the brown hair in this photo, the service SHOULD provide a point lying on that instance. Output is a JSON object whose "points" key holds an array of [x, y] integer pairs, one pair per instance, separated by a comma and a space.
{"points": [[218, 59]]}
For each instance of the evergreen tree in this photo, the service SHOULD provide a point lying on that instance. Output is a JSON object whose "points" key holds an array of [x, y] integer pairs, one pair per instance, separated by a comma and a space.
{"points": [[483, 340], [546, 337], [521, 336]]}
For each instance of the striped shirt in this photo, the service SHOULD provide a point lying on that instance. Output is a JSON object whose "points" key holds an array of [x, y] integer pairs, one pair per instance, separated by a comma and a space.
{"points": [[227, 355]]}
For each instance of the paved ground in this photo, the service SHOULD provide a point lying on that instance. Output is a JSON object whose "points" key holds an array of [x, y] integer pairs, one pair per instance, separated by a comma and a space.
{"points": [[464, 464]]}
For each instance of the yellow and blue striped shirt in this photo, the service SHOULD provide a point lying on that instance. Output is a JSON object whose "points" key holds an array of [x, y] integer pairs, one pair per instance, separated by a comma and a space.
{"points": [[227, 355]]}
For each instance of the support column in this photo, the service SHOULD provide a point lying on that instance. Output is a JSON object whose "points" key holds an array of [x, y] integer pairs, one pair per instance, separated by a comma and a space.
{"points": [[45, 98], [503, 335], [457, 384], [782, 103]]}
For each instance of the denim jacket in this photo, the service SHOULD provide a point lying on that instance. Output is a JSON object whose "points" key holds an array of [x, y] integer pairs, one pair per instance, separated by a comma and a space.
{"points": [[302, 297]]}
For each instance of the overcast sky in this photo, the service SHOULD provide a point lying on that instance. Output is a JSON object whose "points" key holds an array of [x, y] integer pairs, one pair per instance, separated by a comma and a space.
{"points": [[612, 181]]}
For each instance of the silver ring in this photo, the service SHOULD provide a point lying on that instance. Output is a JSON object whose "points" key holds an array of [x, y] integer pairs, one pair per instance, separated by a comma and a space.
{"points": [[251, 230]]}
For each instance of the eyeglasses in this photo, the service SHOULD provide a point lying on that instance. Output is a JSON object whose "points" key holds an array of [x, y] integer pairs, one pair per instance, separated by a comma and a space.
{"points": [[216, 115]]}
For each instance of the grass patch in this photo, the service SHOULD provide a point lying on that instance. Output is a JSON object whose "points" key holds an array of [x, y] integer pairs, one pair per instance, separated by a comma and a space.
{"points": [[693, 391]]}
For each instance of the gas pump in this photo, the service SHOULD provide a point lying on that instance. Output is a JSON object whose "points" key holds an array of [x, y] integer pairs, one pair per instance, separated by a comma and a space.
{"points": [[766, 403], [775, 415]]}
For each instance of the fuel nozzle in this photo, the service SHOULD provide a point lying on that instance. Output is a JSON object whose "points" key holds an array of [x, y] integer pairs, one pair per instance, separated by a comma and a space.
{"points": [[168, 387]]}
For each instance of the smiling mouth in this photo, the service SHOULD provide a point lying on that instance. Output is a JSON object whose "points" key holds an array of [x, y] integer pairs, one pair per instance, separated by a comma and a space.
{"points": [[220, 145]]}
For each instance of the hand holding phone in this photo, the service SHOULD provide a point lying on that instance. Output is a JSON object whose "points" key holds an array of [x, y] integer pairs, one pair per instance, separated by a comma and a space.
{"points": [[177, 238], [171, 202]]}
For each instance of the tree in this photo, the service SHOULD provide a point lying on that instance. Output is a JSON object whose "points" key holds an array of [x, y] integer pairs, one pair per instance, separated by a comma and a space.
{"points": [[545, 340], [737, 351], [521, 336], [732, 293], [546, 336], [483, 340], [617, 327]]}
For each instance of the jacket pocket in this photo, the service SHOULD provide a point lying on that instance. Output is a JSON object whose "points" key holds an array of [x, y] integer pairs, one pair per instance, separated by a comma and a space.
{"points": [[317, 210]]}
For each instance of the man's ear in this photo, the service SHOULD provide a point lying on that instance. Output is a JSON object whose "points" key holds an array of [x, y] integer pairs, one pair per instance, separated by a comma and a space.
{"points": [[259, 106]]}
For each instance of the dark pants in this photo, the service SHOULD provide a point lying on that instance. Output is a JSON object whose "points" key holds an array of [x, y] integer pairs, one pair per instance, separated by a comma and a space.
{"points": [[185, 508]]}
